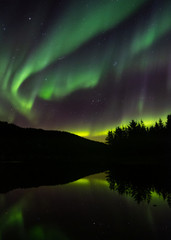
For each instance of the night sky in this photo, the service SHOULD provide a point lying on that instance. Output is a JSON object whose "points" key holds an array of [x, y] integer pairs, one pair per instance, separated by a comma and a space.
{"points": [[84, 66]]}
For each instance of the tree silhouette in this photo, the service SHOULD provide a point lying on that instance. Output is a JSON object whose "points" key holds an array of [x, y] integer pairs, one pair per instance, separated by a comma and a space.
{"points": [[138, 138], [110, 138], [168, 123]]}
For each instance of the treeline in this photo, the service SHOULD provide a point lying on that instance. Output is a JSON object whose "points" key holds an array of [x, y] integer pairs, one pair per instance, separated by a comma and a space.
{"points": [[138, 138]]}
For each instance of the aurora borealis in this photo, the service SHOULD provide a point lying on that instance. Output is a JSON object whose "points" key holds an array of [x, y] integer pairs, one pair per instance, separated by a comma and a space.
{"points": [[84, 66]]}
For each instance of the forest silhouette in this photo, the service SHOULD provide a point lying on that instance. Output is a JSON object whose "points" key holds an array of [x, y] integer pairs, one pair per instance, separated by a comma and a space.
{"points": [[137, 139], [133, 141], [49, 157]]}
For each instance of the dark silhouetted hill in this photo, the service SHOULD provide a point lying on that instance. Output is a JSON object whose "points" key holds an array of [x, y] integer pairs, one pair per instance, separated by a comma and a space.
{"points": [[27, 144]]}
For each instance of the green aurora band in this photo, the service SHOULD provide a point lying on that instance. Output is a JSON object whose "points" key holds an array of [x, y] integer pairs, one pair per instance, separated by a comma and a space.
{"points": [[56, 66], [99, 18]]}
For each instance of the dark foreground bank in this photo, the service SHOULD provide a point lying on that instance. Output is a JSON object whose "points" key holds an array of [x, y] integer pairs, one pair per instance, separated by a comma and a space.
{"points": [[62, 148], [36, 145]]}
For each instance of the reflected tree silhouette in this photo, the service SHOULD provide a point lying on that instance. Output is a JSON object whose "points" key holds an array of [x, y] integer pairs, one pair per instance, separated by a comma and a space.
{"points": [[141, 182]]}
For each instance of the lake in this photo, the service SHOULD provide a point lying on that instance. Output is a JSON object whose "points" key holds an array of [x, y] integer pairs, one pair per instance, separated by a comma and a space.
{"points": [[88, 208]]}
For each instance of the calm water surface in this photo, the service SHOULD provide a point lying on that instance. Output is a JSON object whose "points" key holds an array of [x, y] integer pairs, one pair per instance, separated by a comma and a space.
{"points": [[84, 209]]}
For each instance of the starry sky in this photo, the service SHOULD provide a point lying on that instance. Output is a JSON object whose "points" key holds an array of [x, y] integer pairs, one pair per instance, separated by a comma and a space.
{"points": [[84, 66]]}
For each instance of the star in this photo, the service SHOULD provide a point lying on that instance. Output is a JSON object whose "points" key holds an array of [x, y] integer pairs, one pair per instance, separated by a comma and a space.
{"points": [[115, 64]]}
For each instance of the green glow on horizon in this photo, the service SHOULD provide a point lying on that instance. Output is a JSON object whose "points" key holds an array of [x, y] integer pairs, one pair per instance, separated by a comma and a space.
{"points": [[88, 181], [81, 133], [148, 122], [82, 181], [102, 182], [64, 61]]}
